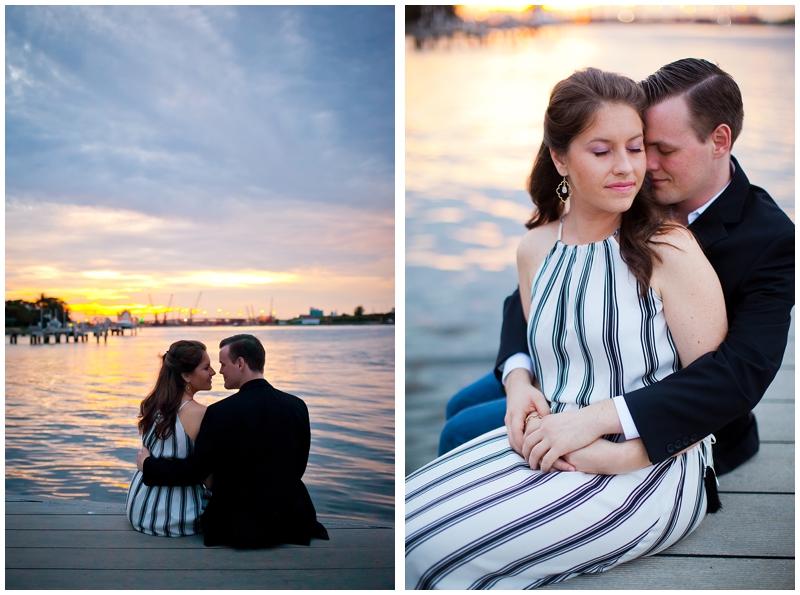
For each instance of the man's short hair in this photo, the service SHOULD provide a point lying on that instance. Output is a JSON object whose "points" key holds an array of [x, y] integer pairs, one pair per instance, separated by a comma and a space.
{"points": [[711, 93], [248, 348]]}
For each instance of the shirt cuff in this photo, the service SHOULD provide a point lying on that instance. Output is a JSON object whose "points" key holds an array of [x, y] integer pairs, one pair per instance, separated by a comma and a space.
{"points": [[625, 419], [518, 360]]}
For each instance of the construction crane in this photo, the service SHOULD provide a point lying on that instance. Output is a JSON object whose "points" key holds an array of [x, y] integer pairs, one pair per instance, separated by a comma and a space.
{"points": [[168, 306], [193, 310], [153, 307]]}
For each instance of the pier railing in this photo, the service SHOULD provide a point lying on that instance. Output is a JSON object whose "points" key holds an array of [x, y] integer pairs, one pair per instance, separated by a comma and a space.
{"points": [[79, 332]]}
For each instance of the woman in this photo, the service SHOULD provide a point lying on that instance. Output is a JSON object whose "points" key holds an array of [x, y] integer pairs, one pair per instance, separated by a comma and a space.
{"points": [[169, 422], [616, 297]]}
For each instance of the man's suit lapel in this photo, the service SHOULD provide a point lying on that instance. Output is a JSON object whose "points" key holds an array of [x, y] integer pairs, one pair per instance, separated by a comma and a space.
{"points": [[711, 226]]}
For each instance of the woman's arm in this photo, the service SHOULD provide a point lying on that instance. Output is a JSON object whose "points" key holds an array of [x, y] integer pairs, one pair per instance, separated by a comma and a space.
{"points": [[531, 252], [689, 288], [522, 394], [694, 308]]}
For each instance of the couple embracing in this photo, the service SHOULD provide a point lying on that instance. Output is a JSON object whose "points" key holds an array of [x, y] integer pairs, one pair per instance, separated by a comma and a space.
{"points": [[232, 470], [655, 292]]}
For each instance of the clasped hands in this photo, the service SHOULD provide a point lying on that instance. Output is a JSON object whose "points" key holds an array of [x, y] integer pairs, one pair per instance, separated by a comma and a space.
{"points": [[569, 441]]}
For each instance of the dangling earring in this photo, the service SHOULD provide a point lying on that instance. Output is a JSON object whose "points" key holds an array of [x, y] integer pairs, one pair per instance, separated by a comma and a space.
{"points": [[564, 190]]}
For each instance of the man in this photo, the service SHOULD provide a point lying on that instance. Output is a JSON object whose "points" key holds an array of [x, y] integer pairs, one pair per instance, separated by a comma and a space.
{"points": [[256, 443], [695, 114]]}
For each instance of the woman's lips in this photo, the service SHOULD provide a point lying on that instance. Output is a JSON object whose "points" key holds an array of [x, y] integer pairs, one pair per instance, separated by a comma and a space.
{"points": [[621, 186]]}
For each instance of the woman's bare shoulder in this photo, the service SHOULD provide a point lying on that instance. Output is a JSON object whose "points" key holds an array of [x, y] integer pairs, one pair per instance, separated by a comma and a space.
{"points": [[681, 261], [195, 406], [536, 241], [193, 410], [676, 245], [191, 418]]}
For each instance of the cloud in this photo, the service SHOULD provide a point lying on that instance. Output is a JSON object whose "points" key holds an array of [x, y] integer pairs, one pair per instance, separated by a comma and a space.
{"points": [[239, 244], [157, 107], [232, 278], [179, 149]]}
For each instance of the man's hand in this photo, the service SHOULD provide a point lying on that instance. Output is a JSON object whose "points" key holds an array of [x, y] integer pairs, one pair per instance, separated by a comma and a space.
{"points": [[143, 454], [558, 435], [522, 398]]}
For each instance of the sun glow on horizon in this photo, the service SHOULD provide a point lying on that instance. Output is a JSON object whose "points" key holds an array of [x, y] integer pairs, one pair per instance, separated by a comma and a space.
{"points": [[475, 12], [146, 296]]}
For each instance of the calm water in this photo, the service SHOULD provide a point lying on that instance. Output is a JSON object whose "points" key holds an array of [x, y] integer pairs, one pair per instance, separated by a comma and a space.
{"points": [[71, 411], [474, 123]]}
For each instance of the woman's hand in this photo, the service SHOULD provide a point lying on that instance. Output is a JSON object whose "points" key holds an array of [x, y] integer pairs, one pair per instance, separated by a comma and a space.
{"points": [[533, 424], [559, 435], [603, 457], [143, 454], [522, 398]]}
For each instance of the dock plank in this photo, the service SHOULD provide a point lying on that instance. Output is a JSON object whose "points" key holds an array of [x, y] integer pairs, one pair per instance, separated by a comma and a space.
{"points": [[775, 419], [89, 537], [749, 525], [112, 558], [679, 572], [87, 545], [771, 470], [333, 578]]}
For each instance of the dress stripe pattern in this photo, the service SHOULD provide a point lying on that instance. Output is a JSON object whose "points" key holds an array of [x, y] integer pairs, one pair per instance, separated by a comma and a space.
{"points": [[479, 518], [168, 511]]}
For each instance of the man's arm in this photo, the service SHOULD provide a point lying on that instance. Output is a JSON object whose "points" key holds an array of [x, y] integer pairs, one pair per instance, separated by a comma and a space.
{"points": [[719, 387], [183, 472], [513, 336]]}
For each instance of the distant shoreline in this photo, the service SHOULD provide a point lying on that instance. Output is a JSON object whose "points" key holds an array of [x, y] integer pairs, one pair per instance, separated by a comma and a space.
{"points": [[27, 330]]}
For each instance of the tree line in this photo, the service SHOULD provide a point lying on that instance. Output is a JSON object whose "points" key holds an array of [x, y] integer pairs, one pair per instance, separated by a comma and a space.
{"points": [[22, 313]]}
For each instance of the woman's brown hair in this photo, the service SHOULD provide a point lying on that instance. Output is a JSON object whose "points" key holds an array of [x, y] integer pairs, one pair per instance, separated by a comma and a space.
{"points": [[574, 103], [160, 407]]}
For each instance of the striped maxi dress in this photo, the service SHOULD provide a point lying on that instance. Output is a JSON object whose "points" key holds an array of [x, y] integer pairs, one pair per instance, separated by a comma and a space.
{"points": [[168, 511], [479, 518]]}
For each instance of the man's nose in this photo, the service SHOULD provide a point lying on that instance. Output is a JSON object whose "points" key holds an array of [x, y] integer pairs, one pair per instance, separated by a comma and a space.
{"points": [[652, 159]]}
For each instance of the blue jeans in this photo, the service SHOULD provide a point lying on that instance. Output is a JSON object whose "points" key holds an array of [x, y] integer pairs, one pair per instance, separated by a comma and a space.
{"points": [[474, 410]]}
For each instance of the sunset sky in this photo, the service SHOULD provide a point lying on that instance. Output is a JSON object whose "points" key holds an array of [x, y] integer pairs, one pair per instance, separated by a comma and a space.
{"points": [[243, 152]]}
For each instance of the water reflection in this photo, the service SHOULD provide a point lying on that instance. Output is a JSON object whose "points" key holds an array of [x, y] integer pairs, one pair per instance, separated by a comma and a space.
{"points": [[71, 411], [473, 118], [474, 122]]}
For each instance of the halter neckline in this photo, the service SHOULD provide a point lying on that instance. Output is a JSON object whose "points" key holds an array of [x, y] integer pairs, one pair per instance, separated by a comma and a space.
{"points": [[561, 227]]}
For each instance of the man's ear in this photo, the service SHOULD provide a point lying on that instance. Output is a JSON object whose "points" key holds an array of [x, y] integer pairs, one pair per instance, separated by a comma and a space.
{"points": [[721, 139], [559, 162]]}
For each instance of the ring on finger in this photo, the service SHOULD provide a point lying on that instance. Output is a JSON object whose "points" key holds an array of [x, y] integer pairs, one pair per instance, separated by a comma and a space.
{"points": [[531, 416]]}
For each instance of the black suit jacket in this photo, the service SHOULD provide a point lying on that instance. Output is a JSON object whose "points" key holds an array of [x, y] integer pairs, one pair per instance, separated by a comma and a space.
{"points": [[750, 243], [256, 442]]}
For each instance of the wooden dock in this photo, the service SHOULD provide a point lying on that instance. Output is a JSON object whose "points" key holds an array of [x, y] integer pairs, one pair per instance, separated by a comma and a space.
{"points": [[749, 544], [78, 333], [68, 544]]}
